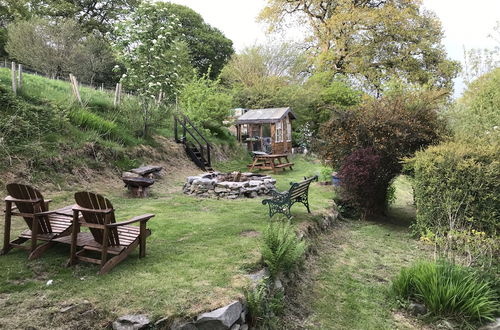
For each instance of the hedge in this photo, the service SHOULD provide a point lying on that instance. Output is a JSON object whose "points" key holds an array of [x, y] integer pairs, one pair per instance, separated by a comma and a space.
{"points": [[457, 186]]}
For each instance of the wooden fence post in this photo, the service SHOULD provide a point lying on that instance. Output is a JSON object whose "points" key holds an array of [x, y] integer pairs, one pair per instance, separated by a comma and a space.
{"points": [[14, 78], [118, 92], [74, 87], [20, 77]]}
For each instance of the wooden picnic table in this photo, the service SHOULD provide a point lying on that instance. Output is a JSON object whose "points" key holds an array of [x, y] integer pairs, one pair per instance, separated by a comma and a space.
{"points": [[264, 161]]}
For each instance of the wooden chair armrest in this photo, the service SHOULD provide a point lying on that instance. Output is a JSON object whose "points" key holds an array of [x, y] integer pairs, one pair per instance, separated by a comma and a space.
{"points": [[140, 218], [12, 199], [83, 209]]}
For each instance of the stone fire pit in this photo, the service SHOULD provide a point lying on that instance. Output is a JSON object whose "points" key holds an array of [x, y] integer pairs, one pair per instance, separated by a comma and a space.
{"points": [[229, 185]]}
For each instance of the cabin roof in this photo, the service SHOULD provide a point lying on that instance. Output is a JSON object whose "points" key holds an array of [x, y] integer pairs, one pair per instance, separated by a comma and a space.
{"points": [[263, 116]]}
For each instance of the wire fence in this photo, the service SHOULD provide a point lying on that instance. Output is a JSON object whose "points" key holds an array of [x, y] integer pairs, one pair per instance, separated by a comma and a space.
{"points": [[6, 63]]}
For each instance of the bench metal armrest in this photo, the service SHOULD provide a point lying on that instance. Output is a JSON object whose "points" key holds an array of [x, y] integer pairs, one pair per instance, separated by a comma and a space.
{"points": [[140, 218]]}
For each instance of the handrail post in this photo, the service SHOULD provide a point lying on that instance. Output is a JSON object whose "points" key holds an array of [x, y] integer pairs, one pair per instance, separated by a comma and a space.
{"points": [[208, 155], [175, 130], [184, 128]]}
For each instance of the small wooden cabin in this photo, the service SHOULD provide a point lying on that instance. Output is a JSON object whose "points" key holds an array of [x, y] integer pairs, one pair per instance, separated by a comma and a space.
{"points": [[266, 130]]}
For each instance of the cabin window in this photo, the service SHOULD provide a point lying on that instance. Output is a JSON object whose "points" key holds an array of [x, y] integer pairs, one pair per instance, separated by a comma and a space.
{"points": [[279, 131], [244, 129], [288, 130]]}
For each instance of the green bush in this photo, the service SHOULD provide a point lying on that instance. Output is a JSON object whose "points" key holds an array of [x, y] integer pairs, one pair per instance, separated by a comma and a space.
{"points": [[282, 250], [447, 290], [456, 187]]}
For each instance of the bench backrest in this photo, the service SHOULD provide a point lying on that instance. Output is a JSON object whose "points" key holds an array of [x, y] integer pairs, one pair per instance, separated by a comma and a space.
{"points": [[300, 188]]}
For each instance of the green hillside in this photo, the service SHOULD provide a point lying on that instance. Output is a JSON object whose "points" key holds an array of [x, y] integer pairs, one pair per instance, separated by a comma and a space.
{"points": [[45, 130]]}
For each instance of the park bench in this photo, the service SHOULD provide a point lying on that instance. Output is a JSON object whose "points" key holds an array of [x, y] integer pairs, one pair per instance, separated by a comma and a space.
{"points": [[43, 225], [114, 241], [281, 202]]}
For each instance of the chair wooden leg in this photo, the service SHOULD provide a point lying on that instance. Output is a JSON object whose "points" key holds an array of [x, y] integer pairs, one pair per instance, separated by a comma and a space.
{"points": [[119, 258], [6, 234], [74, 235], [36, 253], [142, 240], [34, 234]]}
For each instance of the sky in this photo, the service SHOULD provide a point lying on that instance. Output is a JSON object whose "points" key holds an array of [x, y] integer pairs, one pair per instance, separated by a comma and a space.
{"points": [[466, 23]]}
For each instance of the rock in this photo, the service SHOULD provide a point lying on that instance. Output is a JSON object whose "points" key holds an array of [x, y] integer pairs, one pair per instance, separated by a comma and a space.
{"points": [[235, 326], [253, 194], [244, 327], [417, 309], [254, 183], [130, 175], [492, 326], [259, 276], [179, 325], [131, 322], [220, 319], [232, 196], [444, 324], [277, 284], [204, 182], [190, 179], [243, 317]]}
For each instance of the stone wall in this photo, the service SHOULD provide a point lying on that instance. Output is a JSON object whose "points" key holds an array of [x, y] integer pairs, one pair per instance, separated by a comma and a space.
{"points": [[249, 185]]}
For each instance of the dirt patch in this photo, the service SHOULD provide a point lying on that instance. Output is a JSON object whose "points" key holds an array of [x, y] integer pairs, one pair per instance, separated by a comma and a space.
{"points": [[44, 315], [250, 233]]}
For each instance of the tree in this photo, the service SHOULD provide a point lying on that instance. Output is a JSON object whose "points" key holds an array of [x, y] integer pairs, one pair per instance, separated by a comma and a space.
{"points": [[53, 49], [370, 140], [60, 49], [481, 61], [156, 60], [371, 40], [210, 50], [278, 75], [204, 101]]}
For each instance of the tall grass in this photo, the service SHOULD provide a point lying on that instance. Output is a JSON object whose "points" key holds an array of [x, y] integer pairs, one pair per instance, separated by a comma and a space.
{"points": [[448, 290]]}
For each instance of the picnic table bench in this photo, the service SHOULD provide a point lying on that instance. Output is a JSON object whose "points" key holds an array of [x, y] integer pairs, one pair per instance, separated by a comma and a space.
{"points": [[264, 161], [281, 202]]}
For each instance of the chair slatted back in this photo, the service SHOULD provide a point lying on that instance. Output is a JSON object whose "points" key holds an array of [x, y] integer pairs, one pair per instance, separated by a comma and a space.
{"points": [[94, 201], [300, 188], [34, 203]]}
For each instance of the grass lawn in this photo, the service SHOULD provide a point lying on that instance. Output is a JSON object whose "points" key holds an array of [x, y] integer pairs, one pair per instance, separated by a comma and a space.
{"points": [[196, 258], [350, 278]]}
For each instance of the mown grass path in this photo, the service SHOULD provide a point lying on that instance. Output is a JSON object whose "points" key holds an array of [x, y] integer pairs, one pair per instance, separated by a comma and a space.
{"points": [[347, 285]]}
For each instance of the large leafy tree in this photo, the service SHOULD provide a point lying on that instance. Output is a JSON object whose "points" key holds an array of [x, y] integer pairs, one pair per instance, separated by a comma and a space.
{"points": [[371, 40], [210, 50], [150, 47]]}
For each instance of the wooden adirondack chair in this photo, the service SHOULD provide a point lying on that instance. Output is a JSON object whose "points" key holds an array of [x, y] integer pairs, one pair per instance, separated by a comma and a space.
{"points": [[106, 236], [44, 225]]}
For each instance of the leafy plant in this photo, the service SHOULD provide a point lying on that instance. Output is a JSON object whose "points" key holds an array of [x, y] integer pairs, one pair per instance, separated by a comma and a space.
{"points": [[447, 290], [369, 142], [282, 250], [264, 305]]}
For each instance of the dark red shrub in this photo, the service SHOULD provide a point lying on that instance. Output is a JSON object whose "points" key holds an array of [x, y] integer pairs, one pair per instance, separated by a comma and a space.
{"points": [[364, 180]]}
